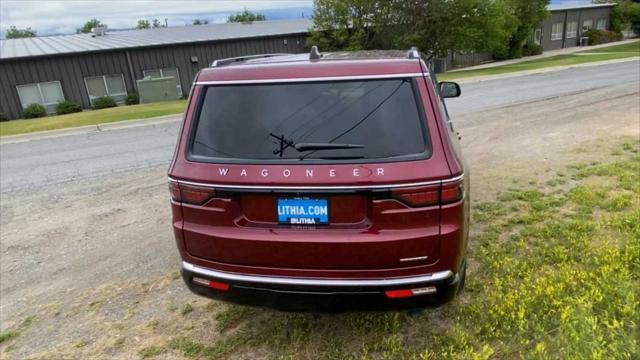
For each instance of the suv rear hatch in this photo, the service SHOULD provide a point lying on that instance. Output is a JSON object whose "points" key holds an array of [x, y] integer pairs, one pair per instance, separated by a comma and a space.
{"points": [[313, 175]]}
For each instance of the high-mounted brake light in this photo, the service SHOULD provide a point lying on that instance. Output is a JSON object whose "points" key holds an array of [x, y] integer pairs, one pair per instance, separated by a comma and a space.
{"points": [[430, 195], [190, 194]]}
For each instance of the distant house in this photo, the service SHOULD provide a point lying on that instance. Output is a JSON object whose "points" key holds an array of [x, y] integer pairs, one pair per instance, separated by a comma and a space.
{"points": [[84, 67], [566, 24]]}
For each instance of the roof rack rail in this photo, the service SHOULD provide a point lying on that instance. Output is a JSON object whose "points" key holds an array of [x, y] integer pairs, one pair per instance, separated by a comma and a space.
{"points": [[314, 54], [413, 53], [228, 61]]}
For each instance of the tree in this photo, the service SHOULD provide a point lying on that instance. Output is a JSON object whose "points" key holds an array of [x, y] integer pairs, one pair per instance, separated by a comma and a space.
{"points": [[625, 15], [143, 24], [349, 24], [200, 22], [157, 24], [525, 16], [86, 28], [435, 26], [15, 33], [438, 27], [246, 16]]}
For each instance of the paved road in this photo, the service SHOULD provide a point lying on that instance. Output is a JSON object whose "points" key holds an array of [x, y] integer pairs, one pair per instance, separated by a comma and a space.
{"points": [[55, 160]]}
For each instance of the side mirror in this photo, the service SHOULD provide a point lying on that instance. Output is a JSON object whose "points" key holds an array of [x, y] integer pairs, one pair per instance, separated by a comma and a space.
{"points": [[449, 89]]}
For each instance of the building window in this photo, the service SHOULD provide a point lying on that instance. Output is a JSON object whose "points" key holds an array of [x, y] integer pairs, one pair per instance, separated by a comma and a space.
{"points": [[106, 85], [537, 36], [163, 73], [602, 24], [572, 29], [47, 94], [587, 25], [556, 31]]}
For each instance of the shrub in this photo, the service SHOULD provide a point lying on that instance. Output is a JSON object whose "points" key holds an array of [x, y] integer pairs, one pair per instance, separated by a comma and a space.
{"points": [[531, 49], [34, 111], [132, 99], [67, 107], [602, 36], [3, 116], [104, 102]]}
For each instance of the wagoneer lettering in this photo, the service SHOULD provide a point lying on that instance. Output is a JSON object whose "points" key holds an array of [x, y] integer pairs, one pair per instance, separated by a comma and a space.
{"points": [[355, 172], [334, 176]]}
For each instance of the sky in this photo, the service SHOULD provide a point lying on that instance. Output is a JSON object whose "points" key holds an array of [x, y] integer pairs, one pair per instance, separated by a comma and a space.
{"points": [[64, 16]]}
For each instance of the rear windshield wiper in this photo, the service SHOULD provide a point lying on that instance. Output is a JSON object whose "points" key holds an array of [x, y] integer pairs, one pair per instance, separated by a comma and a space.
{"points": [[325, 146]]}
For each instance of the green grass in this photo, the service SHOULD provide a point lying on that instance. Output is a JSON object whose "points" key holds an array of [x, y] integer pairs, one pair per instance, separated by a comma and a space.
{"points": [[186, 309], [232, 316], [150, 351], [632, 47], [606, 53], [554, 273], [12, 334], [8, 335], [92, 117]]}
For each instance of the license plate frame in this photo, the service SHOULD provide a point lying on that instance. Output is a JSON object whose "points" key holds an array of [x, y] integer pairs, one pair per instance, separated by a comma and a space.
{"points": [[302, 210]]}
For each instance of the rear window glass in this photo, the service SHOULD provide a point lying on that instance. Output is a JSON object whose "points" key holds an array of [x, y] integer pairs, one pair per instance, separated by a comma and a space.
{"points": [[340, 121]]}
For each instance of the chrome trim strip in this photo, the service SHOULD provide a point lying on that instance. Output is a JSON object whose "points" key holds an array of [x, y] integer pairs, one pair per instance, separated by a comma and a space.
{"points": [[414, 258], [437, 276], [302, 187], [453, 179], [311, 79]]}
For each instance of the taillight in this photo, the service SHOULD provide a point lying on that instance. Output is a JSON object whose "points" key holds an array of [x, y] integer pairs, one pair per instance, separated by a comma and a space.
{"points": [[452, 192], [418, 196], [440, 194], [190, 194]]}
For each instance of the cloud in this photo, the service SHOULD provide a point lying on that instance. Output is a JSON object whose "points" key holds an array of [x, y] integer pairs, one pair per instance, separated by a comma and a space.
{"points": [[64, 16]]}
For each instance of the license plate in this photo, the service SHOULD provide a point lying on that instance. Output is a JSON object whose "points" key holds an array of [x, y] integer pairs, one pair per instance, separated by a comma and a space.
{"points": [[303, 211]]}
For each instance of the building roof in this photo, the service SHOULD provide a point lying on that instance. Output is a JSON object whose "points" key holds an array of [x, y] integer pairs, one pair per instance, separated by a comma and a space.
{"points": [[113, 40], [561, 7]]}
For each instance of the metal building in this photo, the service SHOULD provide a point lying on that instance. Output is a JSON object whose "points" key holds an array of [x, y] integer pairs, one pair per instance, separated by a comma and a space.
{"points": [[566, 24], [83, 67]]}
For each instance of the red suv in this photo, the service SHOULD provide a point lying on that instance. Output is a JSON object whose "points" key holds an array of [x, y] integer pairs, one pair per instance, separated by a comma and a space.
{"points": [[322, 174]]}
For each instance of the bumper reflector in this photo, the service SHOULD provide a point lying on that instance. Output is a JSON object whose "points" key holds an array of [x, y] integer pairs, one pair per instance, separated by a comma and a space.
{"points": [[401, 293], [212, 284]]}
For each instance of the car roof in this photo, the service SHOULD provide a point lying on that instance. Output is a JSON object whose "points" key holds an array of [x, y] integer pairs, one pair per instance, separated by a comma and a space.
{"points": [[302, 66]]}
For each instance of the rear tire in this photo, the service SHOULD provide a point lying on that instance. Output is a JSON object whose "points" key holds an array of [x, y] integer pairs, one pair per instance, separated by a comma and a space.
{"points": [[463, 276], [448, 292]]}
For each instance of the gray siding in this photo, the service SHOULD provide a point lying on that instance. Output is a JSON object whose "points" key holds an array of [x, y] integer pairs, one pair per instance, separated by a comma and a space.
{"points": [[567, 16], [547, 43], [71, 70]]}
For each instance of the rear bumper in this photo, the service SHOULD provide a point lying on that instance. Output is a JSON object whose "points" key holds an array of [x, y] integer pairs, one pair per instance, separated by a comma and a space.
{"points": [[289, 292], [318, 283]]}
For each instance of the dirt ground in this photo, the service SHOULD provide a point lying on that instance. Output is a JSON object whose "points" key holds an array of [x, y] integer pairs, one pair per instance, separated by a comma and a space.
{"points": [[89, 269]]}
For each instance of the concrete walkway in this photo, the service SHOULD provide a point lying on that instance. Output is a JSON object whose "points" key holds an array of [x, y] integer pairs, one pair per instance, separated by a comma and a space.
{"points": [[546, 54]]}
